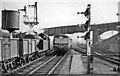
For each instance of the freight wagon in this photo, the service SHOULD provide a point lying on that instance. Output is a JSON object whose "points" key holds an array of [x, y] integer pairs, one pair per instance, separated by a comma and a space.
{"points": [[19, 51]]}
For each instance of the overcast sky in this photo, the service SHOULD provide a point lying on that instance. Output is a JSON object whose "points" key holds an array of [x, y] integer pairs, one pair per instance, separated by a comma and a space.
{"points": [[52, 13]]}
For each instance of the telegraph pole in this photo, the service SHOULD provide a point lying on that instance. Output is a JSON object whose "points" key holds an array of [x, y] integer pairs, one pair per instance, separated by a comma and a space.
{"points": [[87, 28]]}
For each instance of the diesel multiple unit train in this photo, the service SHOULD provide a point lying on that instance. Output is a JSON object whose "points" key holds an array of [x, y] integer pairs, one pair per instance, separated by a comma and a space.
{"points": [[61, 43]]}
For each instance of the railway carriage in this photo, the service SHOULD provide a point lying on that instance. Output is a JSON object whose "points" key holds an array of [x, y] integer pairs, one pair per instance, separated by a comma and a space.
{"points": [[61, 43]]}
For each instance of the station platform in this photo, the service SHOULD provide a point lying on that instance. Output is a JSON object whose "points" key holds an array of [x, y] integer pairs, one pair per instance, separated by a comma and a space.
{"points": [[73, 64], [100, 66], [77, 66]]}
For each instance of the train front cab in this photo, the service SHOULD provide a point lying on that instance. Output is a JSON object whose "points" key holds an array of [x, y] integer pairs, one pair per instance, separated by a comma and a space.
{"points": [[59, 50], [59, 47], [43, 46]]}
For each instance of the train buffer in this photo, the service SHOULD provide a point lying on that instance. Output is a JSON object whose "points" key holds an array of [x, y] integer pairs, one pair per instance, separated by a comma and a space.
{"points": [[77, 65]]}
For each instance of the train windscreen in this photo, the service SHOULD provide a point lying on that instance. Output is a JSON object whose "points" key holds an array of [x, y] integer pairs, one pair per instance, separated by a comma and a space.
{"points": [[61, 40]]}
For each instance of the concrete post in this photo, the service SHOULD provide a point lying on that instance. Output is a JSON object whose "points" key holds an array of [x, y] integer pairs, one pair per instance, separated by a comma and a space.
{"points": [[118, 69], [119, 35]]}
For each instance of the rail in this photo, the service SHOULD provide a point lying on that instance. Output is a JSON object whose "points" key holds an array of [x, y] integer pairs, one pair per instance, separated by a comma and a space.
{"points": [[114, 60]]}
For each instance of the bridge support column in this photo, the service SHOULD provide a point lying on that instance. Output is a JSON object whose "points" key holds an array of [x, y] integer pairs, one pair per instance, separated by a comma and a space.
{"points": [[95, 38]]}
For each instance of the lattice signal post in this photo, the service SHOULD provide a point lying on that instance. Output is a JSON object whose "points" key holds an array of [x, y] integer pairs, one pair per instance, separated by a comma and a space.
{"points": [[87, 28]]}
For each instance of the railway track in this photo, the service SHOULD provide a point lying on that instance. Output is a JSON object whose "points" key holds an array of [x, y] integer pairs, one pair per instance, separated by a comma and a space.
{"points": [[46, 65], [107, 54], [30, 64], [112, 59]]}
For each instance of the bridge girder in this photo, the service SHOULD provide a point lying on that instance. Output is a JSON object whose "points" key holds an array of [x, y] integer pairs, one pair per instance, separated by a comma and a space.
{"points": [[76, 28]]}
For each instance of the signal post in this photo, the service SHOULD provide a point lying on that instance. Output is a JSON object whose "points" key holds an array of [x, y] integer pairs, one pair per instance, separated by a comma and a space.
{"points": [[87, 28]]}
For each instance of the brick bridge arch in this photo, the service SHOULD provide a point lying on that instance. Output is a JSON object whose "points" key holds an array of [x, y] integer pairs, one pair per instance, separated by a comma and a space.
{"points": [[101, 28]]}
